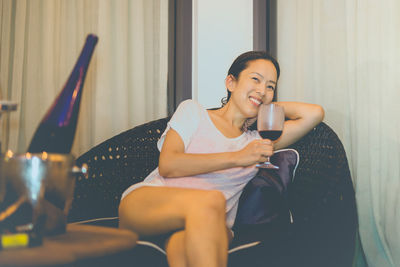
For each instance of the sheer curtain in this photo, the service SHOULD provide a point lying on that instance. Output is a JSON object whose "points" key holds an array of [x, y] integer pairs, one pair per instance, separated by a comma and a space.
{"points": [[345, 56], [126, 83]]}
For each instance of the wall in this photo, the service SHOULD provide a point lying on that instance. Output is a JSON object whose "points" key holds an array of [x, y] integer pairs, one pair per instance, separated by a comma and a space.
{"points": [[222, 30]]}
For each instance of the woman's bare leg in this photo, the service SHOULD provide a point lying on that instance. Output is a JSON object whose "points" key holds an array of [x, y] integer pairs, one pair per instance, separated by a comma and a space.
{"points": [[200, 213], [175, 248]]}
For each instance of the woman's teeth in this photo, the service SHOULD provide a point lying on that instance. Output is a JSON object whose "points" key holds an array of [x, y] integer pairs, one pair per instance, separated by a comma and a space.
{"points": [[255, 101]]}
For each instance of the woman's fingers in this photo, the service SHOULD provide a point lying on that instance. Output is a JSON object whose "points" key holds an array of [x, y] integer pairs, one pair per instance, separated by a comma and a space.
{"points": [[265, 147], [256, 151]]}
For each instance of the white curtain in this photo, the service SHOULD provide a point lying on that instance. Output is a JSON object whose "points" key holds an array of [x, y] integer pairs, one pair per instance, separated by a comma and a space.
{"points": [[127, 77], [345, 55]]}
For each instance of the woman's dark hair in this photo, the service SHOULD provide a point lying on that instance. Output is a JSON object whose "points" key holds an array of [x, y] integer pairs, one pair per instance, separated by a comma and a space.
{"points": [[242, 62]]}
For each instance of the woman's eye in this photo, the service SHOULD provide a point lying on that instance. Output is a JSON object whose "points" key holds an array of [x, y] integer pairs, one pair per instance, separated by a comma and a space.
{"points": [[271, 88], [256, 79]]}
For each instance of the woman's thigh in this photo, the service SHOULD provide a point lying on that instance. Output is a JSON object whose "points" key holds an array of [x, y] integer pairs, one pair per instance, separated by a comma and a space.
{"points": [[155, 210]]}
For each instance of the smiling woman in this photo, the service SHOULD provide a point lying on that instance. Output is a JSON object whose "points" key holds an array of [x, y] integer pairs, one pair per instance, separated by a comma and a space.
{"points": [[206, 159], [40, 41]]}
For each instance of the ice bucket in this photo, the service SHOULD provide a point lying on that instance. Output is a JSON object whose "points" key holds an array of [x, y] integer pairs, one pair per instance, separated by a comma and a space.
{"points": [[36, 192]]}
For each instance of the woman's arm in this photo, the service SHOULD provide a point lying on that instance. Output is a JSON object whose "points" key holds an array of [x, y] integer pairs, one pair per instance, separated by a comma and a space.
{"points": [[302, 118], [174, 162]]}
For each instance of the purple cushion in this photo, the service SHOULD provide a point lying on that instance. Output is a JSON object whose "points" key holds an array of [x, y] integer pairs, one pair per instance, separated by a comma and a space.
{"points": [[263, 209]]}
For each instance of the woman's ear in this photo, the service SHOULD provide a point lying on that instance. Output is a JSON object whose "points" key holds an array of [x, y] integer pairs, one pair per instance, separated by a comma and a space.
{"points": [[230, 81]]}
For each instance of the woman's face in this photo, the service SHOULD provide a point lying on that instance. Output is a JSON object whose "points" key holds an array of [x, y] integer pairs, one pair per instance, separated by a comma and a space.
{"points": [[254, 86]]}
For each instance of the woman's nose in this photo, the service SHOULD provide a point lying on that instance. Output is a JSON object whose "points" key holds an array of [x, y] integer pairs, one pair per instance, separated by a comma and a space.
{"points": [[260, 90]]}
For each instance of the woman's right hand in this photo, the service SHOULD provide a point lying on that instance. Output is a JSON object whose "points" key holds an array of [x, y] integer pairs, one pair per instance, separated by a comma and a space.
{"points": [[257, 151]]}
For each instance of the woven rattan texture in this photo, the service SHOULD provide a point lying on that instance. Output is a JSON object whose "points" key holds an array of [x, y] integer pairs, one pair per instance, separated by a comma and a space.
{"points": [[322, 200], [323, 173], [114, 165]]}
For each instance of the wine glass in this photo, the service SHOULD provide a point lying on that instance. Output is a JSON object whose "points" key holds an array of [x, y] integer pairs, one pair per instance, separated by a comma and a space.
{"points": [[270, 120]]}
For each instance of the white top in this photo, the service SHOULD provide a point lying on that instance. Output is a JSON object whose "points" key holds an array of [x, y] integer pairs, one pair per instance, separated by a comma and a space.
{"points": [[199, 134]]}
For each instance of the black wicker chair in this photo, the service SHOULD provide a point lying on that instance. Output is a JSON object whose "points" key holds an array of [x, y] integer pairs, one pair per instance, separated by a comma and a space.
{"points": [[321, 198]]}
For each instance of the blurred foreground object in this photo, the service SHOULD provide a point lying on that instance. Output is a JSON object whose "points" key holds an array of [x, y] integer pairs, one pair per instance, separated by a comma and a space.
{"points": [[56, 131], [36, 192]]}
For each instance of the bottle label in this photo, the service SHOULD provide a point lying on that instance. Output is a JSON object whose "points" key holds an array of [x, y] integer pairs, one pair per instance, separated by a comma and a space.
{"points": [[14, 240]]}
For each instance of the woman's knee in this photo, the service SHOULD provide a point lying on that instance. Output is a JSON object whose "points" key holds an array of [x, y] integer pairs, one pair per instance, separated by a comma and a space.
{"points": [[211, 201]]}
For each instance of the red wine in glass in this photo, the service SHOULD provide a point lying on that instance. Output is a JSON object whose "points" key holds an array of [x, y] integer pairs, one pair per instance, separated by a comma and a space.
{"points": [[270, 120], [272, 135]]}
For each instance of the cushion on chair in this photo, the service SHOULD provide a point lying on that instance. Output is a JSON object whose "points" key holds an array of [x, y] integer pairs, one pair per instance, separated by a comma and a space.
{"points": [[263, 206]]}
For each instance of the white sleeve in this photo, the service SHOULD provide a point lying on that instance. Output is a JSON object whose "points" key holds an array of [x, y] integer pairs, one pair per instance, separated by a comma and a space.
{"points": [[185, 122]]}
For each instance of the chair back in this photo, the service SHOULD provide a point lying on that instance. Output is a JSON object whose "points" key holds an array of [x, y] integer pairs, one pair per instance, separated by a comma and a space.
{"points": [[322, 200], [114, 165]]}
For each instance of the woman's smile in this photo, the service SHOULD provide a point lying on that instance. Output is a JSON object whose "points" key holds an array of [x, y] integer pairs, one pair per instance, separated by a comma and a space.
{"points": [[255, 101]]}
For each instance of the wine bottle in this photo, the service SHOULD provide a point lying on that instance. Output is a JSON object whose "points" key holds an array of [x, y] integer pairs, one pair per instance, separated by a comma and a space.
{"points": [[56, 131]]}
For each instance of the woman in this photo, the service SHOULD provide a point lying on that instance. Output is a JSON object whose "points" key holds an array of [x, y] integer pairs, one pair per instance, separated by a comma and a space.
{"points": [[206, 159]]}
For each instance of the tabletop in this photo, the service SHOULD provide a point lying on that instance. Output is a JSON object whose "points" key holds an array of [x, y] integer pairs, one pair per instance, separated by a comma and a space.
{"points": [[80, 242]]}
